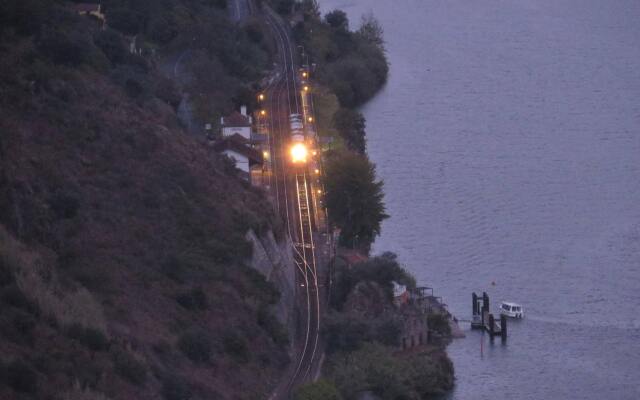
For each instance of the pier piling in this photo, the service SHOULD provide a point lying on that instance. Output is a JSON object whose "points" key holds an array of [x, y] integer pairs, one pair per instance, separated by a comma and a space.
{"points": [[483, 319]]}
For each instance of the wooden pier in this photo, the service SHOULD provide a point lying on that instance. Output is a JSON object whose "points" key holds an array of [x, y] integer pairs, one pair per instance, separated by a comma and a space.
{"points": [[483, 319]]}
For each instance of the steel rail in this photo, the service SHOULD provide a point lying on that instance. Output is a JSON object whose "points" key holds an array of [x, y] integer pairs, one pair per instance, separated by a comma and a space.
{"points": [[306, 238], [281, 40]]}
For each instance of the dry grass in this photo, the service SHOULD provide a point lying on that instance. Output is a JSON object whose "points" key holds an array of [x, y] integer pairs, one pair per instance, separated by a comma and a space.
{"points": [[39, 284]]}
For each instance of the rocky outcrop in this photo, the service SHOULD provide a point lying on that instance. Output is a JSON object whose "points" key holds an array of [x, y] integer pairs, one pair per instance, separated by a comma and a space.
{"points": [[275, 261]]}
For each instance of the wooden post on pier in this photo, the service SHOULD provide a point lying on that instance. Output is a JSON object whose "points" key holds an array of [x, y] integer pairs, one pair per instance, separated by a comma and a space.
{"points": [[491, 326], [485, 302], [483, 319], [474, 298], [503, 326]]}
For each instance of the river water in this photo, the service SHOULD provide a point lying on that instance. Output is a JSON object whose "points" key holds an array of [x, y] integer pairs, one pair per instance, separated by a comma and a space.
{"points": [[508, 138]]}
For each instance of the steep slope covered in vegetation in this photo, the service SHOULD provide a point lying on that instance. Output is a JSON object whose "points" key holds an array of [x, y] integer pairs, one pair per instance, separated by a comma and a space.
{"points": [[123, 259]]}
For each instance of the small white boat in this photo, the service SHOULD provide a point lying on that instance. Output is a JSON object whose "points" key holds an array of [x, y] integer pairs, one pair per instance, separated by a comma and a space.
{"points": [[513, 310]]}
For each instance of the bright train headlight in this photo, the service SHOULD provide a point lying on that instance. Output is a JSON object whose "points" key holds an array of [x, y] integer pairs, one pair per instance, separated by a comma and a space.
{"points": [[299, 153]]}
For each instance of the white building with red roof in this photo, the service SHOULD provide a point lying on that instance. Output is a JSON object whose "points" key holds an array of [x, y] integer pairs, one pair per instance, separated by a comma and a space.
{"points": [[237, 123]]}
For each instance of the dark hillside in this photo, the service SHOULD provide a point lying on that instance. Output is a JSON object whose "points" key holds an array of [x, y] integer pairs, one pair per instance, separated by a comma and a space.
{"points": [[122, 250]]}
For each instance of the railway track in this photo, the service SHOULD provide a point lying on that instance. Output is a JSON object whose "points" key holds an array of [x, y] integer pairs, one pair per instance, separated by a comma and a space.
{"points": [[293, 193]]}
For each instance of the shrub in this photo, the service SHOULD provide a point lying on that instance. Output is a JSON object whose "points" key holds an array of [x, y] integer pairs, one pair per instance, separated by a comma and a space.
{"points": [[374, 368], [14, 296], [65, 48], [166, 90], [126, 21], [263, 290], [24, 325], [21, 377], [175, 388], [320, 390], [195, 299], [92, 338], [6, 270], [64, 204], [196, 346], [272, 326], [439, 323], [388, 333], [129, 367], [162, 30], [236, 347], [25, 16], [175, 268], [112, 45], [351, 127], [383, 270]]}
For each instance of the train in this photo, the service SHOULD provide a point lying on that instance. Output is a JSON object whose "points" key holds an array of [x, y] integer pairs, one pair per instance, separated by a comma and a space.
{"points": [[299, 151]]}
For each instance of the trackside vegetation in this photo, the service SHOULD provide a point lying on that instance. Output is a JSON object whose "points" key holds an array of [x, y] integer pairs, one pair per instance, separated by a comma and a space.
{"points": [[348, 68]]}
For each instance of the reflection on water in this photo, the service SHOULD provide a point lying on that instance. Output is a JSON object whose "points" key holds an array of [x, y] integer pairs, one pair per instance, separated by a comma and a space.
{"points": [[516, 160]]}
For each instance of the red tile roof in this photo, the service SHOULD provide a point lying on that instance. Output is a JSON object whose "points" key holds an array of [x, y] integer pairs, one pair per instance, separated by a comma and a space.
{"points": [[240, 145], [236, 119]]}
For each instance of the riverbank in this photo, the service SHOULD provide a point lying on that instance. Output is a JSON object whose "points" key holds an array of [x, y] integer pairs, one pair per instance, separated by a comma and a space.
{"points": [[377, 315]]}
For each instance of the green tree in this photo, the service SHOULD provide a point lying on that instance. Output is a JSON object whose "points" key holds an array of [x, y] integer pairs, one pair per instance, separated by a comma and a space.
{"points": [[371, 30], [351, 126], [320, 390], [311, 9], [338, 20], [382, 270], [354, 198], [375, 368]]}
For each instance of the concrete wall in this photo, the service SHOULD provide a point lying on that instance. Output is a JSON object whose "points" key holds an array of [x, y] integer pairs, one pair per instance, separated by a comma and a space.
{"points": [[242, 162]]}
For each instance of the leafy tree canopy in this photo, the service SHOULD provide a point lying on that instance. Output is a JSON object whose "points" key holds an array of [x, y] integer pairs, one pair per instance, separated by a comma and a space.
{"points": [[354, 198], [337, 19], [351, 126], [383, 270]]}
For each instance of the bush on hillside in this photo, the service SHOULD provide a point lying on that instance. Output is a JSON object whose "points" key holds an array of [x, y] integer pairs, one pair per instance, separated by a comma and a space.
{"points": [[126, 20], [112, 45], [195, 299], [24, 16], [129, 367], [320, 390], [375, 368], [383, 270], [274, 328], [175, 388], [235, 346], [196, 346], [92, 338], [21, 376], [347, 332], [439, 323], [65, 48]]}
